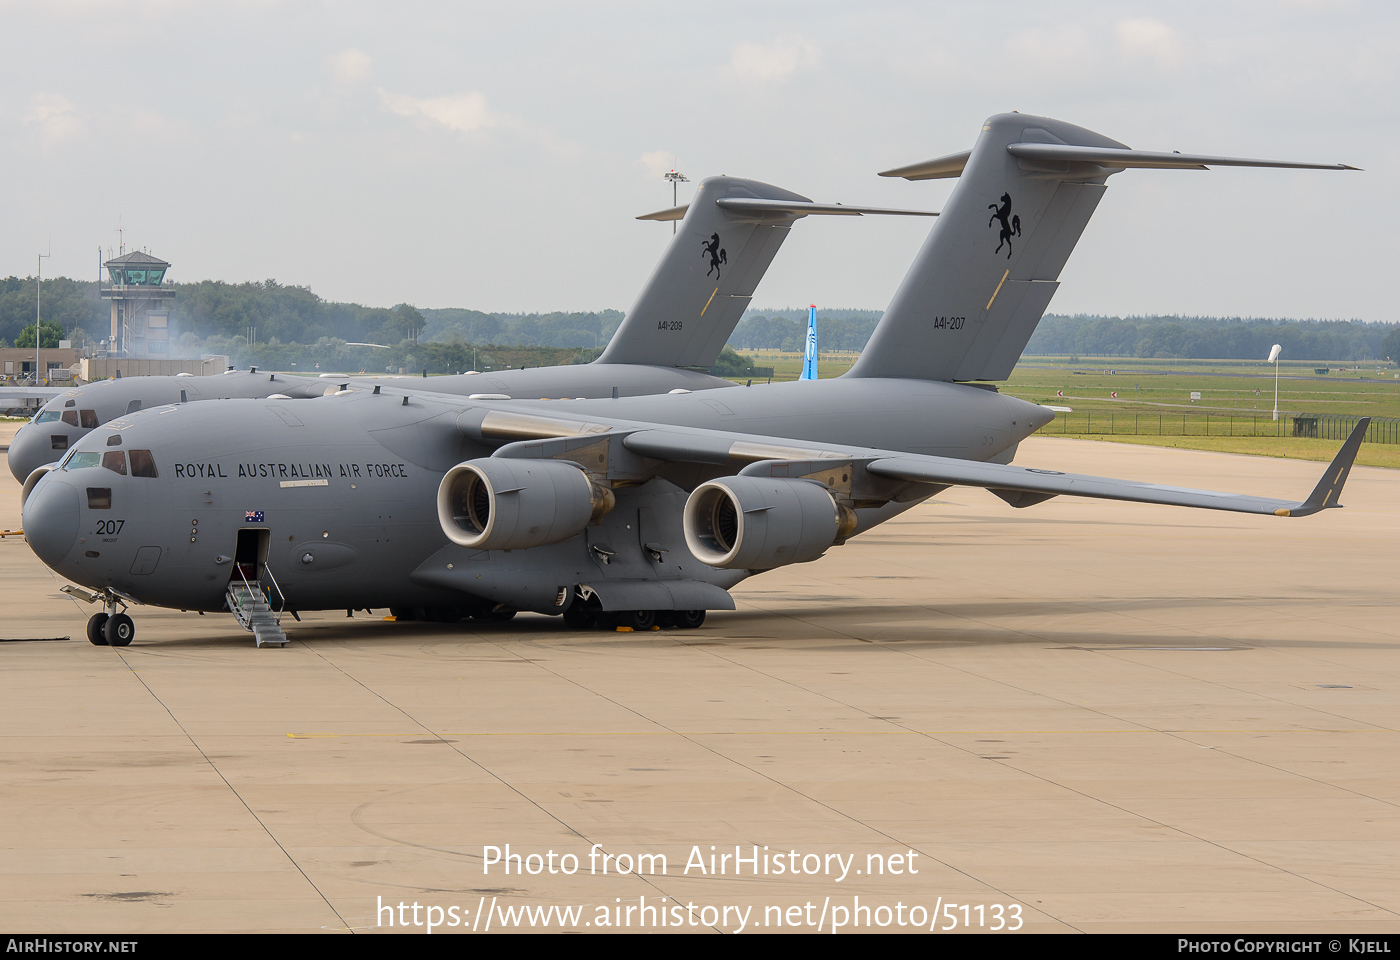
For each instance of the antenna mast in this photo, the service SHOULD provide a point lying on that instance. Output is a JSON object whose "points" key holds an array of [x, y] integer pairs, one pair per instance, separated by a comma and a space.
{"points": [[38, 296], [676, 178]]}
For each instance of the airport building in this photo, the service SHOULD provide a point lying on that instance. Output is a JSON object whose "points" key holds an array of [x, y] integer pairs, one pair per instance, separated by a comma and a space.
{"points": [[140, 306], [60, 364]]}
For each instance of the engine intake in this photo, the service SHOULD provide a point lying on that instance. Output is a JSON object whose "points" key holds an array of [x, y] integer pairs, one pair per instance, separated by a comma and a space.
{"points": [[507, 504], [757, 523]]}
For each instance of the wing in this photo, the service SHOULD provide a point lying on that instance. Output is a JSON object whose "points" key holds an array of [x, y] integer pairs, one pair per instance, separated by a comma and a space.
{"points": [[873, 473]]}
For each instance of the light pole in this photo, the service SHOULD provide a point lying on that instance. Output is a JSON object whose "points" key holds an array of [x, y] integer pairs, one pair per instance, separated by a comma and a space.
{"points": [[38, 295], [1273, 358], [676, 178]]}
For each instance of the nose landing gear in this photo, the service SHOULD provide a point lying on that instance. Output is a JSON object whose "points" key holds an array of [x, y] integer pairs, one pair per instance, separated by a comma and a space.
{"points": [[110, 629]]}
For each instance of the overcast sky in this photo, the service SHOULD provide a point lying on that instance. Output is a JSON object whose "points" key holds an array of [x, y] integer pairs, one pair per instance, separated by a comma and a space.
{"points": [[494, 155]]}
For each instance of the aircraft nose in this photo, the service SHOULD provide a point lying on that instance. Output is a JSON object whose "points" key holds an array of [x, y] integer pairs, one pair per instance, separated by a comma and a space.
{"points": [[30, 449], [51, 518]]}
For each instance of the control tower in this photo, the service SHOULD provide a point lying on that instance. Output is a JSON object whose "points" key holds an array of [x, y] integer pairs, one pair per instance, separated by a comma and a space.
{"points": [[140, 305]]}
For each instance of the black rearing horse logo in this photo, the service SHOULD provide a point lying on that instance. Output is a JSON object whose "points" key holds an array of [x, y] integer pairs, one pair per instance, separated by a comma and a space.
{"points": [[716, 255], [1010, 226]]}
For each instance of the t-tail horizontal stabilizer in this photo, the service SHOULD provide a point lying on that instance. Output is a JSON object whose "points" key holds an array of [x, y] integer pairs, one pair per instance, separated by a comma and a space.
{"points": [[798, 208], [1022, 487], [1113, 159]]}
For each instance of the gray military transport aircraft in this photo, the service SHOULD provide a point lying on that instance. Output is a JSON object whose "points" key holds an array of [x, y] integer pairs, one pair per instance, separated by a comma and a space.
{"points": [[632, 511], [730, 236]]}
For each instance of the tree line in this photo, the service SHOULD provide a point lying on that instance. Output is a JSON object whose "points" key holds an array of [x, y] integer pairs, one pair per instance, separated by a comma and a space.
{"points": [[283, 325]]}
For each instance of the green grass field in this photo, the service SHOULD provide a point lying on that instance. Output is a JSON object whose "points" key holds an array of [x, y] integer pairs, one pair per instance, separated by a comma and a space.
{"points": [[1292, 448], [1227, 387], [1241, 389], [1154, 406]]}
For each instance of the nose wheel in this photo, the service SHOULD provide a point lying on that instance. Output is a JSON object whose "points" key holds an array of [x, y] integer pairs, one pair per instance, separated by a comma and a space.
{"points": [[119, 630], [96, 627], [110, 630]]}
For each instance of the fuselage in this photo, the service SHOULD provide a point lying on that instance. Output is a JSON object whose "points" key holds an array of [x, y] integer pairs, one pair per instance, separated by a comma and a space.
{"points": [[337, 496], [69, 417]]}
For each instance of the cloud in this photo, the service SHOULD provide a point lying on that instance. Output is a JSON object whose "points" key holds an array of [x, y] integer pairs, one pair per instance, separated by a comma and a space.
{"points": [[350, 66], [1151, 40], [658, 162], [53, 113], [463, 112], [774, 61]]}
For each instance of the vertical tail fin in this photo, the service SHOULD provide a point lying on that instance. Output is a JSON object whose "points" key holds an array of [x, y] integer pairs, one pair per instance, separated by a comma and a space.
{"points": [[987, 272], [698, 292], [809, 357], [984, 277], [703, 283]]}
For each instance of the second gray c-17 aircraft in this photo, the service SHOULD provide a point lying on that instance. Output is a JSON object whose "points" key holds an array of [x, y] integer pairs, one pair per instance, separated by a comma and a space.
{"points": [[631, 511]]}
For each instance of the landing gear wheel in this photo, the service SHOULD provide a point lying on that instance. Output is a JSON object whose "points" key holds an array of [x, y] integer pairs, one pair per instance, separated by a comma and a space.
{"points": [[636, 619], [690, 619], [579, 617], [119, 630], [95, 625]]}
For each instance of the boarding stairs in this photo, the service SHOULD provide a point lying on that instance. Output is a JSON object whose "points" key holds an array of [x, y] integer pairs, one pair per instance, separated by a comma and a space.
{"points": [[248, 601]]}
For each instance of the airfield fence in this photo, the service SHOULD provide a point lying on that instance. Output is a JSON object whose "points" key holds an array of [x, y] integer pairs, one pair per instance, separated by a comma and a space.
{"points": [[1320, 425]]}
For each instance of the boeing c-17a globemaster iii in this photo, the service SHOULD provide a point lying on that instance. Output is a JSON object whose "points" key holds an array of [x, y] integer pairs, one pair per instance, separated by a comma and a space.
{"points": [[634, 511], [670, 337]]}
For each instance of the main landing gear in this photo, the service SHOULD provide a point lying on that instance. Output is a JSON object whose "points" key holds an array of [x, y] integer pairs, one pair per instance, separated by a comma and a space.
{"points": [[586, 615]]}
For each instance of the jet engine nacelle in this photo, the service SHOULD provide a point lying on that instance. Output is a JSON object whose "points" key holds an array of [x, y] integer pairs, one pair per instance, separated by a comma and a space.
{"points": [[757, 523], [507, 504]]}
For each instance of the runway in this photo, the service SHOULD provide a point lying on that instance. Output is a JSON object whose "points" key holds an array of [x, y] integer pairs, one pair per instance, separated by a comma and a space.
{"points": [[1116, 717]]}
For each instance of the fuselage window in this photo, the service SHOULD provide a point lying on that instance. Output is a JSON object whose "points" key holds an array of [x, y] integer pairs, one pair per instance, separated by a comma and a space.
{"points": [[133, 406], [59, 441], [71, 403], [82, 458], [115, 461], [99, 498], [70, 417], [89, 419], [143, 464]]}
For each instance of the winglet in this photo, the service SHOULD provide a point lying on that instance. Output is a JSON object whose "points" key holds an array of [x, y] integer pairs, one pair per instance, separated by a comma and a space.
{"points": [[1329, 489]]}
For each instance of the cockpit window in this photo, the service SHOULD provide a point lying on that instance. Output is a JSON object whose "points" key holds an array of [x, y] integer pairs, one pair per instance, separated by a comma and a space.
{"points": [[82, 458], [89, 419], [47, 416], [143, 464], [71, 403], [70, 417], [115, 461]]}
